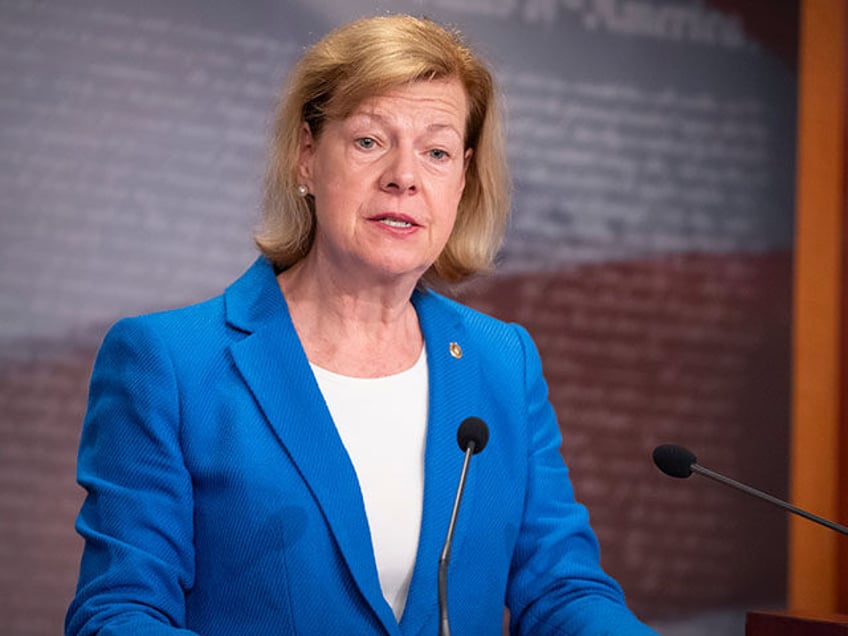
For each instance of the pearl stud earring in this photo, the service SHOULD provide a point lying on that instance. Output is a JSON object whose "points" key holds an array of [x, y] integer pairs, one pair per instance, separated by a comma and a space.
{"points": [[302, 190]]}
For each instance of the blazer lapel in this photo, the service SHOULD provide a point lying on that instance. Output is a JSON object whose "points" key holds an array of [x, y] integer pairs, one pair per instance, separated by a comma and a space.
{"points": [[452, 372], [274, 366]]}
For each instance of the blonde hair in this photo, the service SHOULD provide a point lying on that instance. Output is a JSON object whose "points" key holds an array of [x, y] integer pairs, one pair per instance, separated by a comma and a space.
{"points": [[369, 57]]}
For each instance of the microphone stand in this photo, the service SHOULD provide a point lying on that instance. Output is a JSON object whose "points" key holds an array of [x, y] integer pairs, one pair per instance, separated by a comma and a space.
{"points": [[444, 559]]}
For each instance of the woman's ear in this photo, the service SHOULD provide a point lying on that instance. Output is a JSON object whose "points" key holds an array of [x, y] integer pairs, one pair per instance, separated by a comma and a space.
{"points": [[466, 161], [306, 154]]}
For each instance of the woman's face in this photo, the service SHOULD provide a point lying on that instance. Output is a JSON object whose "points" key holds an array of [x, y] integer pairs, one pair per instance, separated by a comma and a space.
{"points": [[387, 181]]}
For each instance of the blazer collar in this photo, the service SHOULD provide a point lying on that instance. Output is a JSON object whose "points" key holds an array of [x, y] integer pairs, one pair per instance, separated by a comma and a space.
{"points": [[272, 361], [254, 300]]}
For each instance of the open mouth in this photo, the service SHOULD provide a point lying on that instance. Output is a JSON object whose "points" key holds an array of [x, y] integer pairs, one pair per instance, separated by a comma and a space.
{"points": [[396, 221]]}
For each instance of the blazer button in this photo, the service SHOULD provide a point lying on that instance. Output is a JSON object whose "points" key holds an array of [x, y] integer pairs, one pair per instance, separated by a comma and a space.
{"points": [[455, 350]]}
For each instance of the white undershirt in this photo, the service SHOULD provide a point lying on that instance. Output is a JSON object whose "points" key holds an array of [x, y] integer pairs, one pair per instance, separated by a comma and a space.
{"points": [[382, 423]]}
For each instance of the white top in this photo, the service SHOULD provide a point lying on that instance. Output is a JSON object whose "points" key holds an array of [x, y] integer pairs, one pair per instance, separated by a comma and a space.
{"points": [[382, 423]]}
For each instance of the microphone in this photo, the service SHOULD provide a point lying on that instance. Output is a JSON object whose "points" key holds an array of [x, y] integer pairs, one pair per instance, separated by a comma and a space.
{"points": [[472, 437], [680, 462]]}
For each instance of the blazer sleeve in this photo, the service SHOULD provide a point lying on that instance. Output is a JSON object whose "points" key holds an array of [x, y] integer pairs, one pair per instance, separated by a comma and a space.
{"points": [[556, 584], [136, 520]]}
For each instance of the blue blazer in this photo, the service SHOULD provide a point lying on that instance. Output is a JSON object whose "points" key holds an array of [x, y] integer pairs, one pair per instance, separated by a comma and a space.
{"points": [[221, 500]]}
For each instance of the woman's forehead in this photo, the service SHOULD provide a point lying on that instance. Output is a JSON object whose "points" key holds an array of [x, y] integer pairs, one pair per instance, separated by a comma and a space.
{"points": [[442, 103]]}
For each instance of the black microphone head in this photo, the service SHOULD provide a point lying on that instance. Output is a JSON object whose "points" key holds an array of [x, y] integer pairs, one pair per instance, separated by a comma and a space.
{"points": [[472, 429], [674, 460]]}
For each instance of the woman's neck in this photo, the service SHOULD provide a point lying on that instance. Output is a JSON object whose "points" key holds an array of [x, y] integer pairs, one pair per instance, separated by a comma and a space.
{"points": [[351, 328]]}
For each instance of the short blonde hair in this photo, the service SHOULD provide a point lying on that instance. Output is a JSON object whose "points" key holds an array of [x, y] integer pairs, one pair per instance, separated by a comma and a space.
{"points": [[369, 57]]}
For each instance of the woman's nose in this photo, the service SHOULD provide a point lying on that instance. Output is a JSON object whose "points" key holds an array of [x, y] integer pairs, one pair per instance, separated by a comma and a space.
{"points": [[400, 173]]}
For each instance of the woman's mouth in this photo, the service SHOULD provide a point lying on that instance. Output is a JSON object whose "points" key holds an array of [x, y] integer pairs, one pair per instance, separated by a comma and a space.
{"points": [[396, 220], [395, 223]]}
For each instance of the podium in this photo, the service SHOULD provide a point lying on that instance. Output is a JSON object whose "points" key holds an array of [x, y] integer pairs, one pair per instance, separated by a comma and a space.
{"points": [[785, 623]]}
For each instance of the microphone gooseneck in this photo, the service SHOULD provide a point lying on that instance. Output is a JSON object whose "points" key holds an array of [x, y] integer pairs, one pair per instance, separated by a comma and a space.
{"points": [[472, 437], [680, 462]]}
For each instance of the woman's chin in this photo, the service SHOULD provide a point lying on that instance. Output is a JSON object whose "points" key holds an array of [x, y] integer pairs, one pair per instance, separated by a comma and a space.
{"points": [[398, 271]]}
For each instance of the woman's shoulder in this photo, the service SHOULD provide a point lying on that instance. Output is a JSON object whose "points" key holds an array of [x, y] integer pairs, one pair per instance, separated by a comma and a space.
{"points": [[202, 320], [183, 332], [474, 322], [196, 316]]}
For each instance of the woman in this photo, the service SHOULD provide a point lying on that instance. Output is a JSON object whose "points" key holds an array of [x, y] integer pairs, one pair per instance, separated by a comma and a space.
{"points": [[282, 458]]}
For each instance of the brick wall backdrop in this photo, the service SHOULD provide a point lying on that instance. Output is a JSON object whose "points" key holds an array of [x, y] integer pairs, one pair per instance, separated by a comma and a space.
{"points": [[652, 144]]}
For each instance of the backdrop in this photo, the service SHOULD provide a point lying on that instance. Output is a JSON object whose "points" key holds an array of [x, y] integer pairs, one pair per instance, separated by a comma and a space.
{"points": [[652, 144]]}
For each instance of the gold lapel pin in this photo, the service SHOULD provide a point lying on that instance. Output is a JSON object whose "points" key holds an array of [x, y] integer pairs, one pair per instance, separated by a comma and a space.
{"points": [[455, 350]]}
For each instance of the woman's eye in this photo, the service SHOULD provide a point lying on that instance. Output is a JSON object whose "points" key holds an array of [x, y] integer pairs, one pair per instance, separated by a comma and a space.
{"points": [[366, 143], [439, 154]]}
